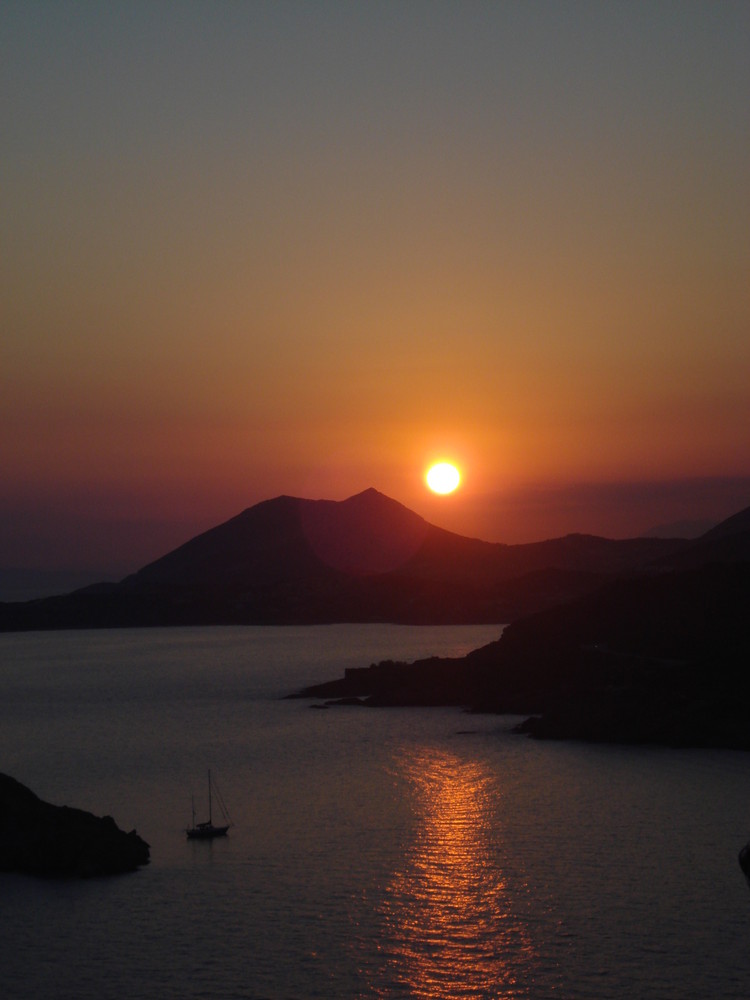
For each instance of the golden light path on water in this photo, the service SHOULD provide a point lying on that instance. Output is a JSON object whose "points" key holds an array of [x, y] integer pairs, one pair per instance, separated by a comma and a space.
{"points": [[448, 927]]}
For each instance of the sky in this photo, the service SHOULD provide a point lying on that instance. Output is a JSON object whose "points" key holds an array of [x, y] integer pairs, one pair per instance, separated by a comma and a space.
{"points": [[253, 249]]}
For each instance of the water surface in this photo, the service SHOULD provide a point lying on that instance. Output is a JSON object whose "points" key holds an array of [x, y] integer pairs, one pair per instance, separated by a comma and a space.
{"points": [[375, 853]]}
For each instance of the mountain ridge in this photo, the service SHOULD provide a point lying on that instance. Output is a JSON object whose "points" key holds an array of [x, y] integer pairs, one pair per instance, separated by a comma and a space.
{"points": [[291, 560]]}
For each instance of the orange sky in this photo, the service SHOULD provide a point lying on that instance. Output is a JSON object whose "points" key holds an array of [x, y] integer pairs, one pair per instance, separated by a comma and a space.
{"points": [[305, 249]]}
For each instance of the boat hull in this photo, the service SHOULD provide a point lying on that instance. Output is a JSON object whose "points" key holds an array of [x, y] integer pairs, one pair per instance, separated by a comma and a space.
{"points": [[206, 832]]}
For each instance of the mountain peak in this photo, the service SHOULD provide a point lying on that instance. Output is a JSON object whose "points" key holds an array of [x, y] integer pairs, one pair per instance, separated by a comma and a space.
{"points": [[373, 500], [368, 533], [369, 492]]}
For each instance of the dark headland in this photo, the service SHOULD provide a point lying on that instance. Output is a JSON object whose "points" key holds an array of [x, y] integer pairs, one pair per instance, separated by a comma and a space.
{"points": [[658, 656], [38, 838]]}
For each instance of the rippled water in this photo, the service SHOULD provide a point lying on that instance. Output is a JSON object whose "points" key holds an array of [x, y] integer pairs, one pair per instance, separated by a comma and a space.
{"points": [[390, 853], [447, 916]]}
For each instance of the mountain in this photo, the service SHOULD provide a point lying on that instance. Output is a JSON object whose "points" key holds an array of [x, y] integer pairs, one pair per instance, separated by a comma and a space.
{"points": [[364, 559]]}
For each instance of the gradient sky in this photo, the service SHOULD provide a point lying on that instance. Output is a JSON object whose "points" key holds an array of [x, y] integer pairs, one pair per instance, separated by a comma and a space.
{"points": [[262, 248]]}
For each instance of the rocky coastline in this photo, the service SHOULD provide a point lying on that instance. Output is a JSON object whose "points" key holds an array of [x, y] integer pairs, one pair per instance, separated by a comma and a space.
{"points": [[650, 660], [38, 838]]}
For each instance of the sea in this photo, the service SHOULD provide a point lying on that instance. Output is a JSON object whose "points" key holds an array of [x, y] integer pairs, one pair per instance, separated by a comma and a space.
{"points": [[374, 853]]}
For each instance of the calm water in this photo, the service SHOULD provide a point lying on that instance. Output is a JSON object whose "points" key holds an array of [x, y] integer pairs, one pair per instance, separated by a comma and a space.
{"points": [[393, 853]]}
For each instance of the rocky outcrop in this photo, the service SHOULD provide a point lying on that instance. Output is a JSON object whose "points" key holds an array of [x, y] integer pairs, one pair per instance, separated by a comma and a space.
{"points": [[38, 838]]}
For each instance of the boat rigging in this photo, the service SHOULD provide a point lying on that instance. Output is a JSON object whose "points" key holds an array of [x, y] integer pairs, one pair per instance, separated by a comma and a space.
{"points": [[207, 830]]}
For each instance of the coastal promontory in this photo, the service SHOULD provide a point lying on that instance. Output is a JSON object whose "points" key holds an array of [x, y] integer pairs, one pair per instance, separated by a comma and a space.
{"points": [[38, 838], [659, 656]]}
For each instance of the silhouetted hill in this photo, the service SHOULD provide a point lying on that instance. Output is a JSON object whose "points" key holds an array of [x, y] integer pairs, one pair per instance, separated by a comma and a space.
{"points": [[290, 539], [365, 559], [732, 527], [728, 541], [655, 657]]}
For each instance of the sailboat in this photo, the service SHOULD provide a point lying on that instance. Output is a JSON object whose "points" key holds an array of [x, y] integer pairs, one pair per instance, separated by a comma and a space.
{"points": [[207, 830]]}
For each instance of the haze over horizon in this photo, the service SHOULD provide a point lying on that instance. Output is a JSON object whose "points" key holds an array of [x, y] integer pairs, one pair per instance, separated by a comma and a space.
{"points": [[284, 248]]}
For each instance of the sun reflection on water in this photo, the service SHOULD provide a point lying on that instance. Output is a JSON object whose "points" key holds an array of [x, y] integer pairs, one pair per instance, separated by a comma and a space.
{"points": [[448, 930]]}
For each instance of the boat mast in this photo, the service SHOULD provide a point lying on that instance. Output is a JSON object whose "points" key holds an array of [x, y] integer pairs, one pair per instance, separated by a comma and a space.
{"points": [[209, 796]]}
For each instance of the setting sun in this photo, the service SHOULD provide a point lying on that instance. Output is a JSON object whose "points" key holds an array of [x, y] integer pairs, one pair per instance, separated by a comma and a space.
{"points": [[443, 477]]}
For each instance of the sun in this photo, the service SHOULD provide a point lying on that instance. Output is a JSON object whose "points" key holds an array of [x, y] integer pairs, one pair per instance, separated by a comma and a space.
{"points": [[443, 477]]}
